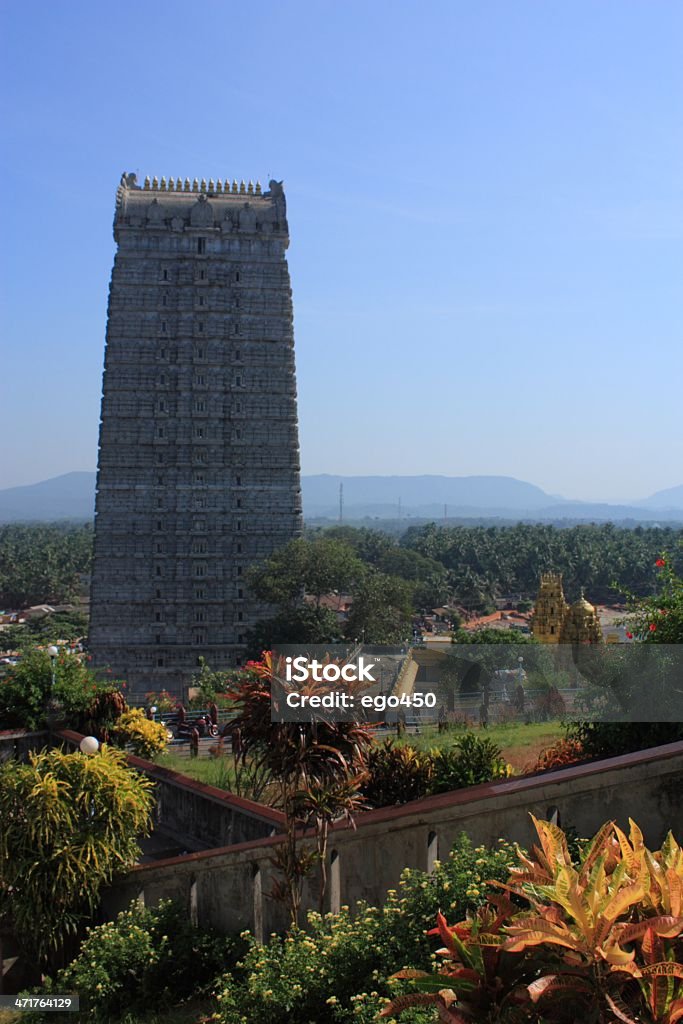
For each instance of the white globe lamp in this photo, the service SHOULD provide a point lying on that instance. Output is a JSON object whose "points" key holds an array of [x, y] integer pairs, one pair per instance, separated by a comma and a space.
{"points": [[89, 745]]}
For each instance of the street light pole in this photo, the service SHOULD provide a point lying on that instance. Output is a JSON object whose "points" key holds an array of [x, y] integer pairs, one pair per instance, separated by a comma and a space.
{"points": [[53, 707], [54, 653]]}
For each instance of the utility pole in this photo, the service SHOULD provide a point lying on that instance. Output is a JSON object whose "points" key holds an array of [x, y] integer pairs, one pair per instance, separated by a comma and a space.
{"points": [[341, 502]]}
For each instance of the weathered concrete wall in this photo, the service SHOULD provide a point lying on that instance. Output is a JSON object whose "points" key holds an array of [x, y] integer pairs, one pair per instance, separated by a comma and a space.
{"points": [[18, 744], [227, 888], [198, 815]]}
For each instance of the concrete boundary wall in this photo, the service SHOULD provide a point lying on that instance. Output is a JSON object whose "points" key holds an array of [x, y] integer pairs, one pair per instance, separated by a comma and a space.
{"points": [[198, 816], [228, 888], [17, 745]]}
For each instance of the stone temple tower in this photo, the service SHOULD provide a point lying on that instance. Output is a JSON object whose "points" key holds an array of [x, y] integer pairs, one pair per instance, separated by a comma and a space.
{"points": [[198, 473]]}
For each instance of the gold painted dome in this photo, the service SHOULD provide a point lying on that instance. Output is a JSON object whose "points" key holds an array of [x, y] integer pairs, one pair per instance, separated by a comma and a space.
{"points": [[581, 623]]}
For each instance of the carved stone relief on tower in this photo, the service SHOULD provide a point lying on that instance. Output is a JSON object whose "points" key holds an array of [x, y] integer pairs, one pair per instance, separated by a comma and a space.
{"points": [[155, 214], [247, 219], [201, 214]]}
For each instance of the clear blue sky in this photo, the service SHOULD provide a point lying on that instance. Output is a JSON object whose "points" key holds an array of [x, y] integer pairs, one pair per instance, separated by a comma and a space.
{"points": [[485, 205]]}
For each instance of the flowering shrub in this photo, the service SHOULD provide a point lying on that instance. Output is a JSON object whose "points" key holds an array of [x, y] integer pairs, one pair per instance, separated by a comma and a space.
{"points": [[336, 973], [653, 620], [146, 958], [163, 701], [146, 737], [659, 619]]}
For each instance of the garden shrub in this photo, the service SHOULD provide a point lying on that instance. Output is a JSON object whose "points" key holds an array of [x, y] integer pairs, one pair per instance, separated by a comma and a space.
{"points": [[593, 934], [162, 700], [69, 823], [565, 752], [657, 619], [147, 958], [397, 773], [26, 687], [549, 704], [471, 760], [104, 710], [610, 739], [336, 972], [146, 737]]}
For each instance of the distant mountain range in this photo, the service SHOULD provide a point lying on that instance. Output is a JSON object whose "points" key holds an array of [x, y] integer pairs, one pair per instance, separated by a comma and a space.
{"points": [[670, 498], [384, 497], [71, 496]]}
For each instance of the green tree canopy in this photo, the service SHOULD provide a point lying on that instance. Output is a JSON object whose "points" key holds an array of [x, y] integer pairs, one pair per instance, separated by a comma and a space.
{"points": [[315, 567], [69, 626], [487, 561], [70, 822], [42, 563], [307, 624], [381, 610], [26, 687]]}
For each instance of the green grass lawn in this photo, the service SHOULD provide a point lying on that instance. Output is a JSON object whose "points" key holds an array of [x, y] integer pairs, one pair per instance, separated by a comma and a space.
{"points": [[220, 772], [214, 771], [521, 744]]}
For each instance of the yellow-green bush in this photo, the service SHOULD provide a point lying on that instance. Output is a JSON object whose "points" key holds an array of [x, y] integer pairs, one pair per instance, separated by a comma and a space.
{"points": [[147, 738]]}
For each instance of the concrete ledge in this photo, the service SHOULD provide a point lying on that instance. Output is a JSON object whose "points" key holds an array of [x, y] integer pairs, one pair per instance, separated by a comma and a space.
{"points": [[227, 887], [522, 784], [197, 816], [16, 743]]}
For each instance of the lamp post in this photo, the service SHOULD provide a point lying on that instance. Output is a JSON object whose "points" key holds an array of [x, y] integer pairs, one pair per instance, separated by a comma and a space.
{"points": [[89, 745], [54, 709], [54, 654]]}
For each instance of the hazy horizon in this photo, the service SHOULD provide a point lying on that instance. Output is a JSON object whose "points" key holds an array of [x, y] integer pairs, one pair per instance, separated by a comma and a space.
{"points": [[634, 499]]}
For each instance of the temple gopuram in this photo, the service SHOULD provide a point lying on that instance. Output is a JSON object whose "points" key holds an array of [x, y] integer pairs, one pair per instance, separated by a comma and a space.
{"points": [[556, 622]]}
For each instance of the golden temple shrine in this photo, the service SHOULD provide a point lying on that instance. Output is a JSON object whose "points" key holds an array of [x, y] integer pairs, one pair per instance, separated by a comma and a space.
{"points": [[556, 622]]}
